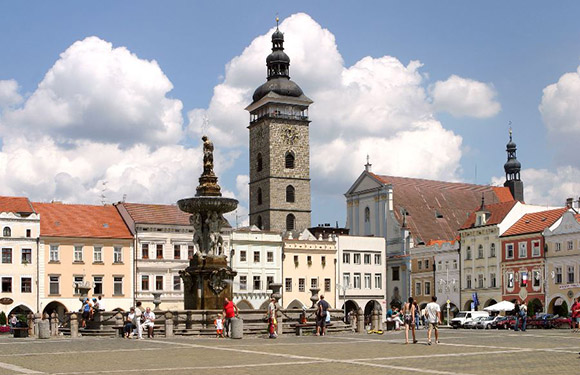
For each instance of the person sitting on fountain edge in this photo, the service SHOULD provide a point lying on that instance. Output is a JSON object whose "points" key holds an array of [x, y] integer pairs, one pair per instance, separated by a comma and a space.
{"points": [[230, 311]]}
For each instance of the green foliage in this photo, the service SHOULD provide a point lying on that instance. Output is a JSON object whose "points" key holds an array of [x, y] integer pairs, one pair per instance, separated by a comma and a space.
{"points": [[531, 309], [2, 318]]}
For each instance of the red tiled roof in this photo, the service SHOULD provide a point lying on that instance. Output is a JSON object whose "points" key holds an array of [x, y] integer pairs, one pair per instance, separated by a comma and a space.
{"points": [[535, 222], [577, 216], [78, 220], [424, 199], [498, 212], [15, 204], [156, 214]]}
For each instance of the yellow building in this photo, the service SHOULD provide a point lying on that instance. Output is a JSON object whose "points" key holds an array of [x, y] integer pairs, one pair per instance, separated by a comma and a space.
{"points": [[82, 245], [423, 274], [308, 264]]}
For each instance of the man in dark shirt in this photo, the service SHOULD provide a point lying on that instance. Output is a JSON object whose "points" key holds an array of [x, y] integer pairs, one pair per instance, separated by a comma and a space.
{"points": [[321, 312]]}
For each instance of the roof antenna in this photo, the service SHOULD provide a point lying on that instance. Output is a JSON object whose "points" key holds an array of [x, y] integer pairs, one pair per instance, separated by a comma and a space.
{"points": [[103, 190], [510, 124], [277, 20]]}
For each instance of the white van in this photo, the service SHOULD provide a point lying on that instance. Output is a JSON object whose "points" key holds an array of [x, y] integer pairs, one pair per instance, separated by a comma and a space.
{"points": [[463, 317]]}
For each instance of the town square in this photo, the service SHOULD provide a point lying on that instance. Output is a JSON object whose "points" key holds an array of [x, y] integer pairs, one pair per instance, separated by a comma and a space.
{"points": [[195, 187]]}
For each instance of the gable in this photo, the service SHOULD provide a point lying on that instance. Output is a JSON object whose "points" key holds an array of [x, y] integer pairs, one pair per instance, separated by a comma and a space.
{"points": [[364, 183], [567, 225]]}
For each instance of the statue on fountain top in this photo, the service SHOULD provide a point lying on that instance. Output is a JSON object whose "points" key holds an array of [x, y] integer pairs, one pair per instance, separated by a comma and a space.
{"points": [[208, 185], [207, 156]]}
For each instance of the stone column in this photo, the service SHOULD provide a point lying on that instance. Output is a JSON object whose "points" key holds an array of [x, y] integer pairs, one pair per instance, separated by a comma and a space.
{"points": [[375, 323], [43, 328], [37, 318], [119, 319], [360, 320], [74, 326], [54, 324], [188, 319], [280, 319], [168, 324]]}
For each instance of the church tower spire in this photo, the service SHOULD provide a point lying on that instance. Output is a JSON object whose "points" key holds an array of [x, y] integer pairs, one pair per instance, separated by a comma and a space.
{"points": [[279, 148], [512, 169]]}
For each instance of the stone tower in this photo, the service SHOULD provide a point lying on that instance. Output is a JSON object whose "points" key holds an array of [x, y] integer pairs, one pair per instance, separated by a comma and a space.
{"points": [[279, 148], [512, 171]]}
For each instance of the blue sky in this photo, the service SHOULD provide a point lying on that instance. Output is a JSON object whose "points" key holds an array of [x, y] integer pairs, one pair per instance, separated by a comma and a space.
{"points": [[511, 51]]}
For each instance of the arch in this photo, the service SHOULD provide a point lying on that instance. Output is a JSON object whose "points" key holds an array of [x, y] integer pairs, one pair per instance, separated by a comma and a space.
{"points": [[372, 305], [259, 162], [7, 232], [289, 160], [290, 194], [290, 222], [558, 306], [350, 306], [453, 310], [535, 306], [422, 306], [295, 305], [264, 306], [21, 309], [467, 306], [367, 221], [56, 307], [259, 196], [259, 222], [489, 302], [244, 305]]}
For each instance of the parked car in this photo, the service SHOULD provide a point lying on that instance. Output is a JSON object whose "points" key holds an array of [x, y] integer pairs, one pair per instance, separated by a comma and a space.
{"points": [[506, 322], [500, 322], [472, 324], [486, 323], [463, 317]]}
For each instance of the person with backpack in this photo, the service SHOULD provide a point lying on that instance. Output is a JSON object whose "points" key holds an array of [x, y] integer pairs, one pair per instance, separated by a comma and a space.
{"points": [[321, 314]]}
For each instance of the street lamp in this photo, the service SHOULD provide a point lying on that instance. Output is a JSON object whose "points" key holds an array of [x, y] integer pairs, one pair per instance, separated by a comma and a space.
{"points": [[343, 288], [445, 282]]}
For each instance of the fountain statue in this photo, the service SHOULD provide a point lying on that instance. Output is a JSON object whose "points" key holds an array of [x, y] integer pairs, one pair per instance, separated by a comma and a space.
{"points": [[208, 279]]}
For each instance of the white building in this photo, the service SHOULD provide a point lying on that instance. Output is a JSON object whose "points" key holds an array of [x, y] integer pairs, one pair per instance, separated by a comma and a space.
{"points": [[256, 256], [446, 257], [361, 281], [20, 225]]}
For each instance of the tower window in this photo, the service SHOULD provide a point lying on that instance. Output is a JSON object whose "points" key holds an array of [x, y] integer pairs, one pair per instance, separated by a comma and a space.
{"points": [[367, 214], [289, 160], [259, 196], [290, 222], [259, 222], [259, 162], [290, 193]]}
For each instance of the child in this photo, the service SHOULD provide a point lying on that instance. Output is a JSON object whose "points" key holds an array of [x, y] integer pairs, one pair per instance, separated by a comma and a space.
{"points": [[219, 326]]}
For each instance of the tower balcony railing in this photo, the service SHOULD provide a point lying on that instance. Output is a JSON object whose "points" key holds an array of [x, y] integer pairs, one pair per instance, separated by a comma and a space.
{"points": [[283, 116]]}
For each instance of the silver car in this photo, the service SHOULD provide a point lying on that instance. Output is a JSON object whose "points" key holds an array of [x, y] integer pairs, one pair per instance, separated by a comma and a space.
{"points": [[471, 324], [486, 322]]}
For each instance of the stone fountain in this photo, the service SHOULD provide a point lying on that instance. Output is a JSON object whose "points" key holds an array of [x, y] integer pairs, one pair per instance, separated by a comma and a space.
{"points": [[208, 279]]}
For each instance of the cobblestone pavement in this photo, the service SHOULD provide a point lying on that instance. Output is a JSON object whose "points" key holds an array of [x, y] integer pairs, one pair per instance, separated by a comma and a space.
{"points": [[460, 352]]}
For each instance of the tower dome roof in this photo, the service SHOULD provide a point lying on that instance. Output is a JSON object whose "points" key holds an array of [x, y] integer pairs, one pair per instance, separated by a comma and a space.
{"points": [[277, 35], [281, 86], [277, 56], [512, 166]]}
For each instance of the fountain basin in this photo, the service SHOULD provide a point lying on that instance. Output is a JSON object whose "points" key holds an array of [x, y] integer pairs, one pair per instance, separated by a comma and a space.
{"points": [[207, 204]]}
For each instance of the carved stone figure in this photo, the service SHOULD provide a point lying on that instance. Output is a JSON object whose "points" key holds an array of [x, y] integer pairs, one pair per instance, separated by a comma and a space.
{"points": [[207, 156]]}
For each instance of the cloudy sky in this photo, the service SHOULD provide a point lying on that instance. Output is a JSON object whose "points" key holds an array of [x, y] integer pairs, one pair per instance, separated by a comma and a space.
{"points": [[105, 100]]}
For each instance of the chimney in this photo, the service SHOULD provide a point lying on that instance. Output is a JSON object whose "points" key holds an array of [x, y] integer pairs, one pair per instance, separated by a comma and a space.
{"points": [[569, 202]]}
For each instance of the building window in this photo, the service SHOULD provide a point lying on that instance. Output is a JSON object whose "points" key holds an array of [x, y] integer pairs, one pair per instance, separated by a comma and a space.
{"points": [[535, 248], [323, 260], [97, 254], [176, 283], [256, 257], [7, 232], [419, 264], [377, 259], [118, 285], [346, 280], [480, 252], [259, 162], [427, 288], [309, 260], [243, 282], [288, 284], [6, 285], [523, 250], [270, 256], [536, 276], [417, 289], [378, 281], [53, 253], [492, 280], [190, 251], [158, 282], [78, 281], [98, 282], [269, 281], [290, 222], [570, 245], [6, 255], [144, 282], [468, 281], [313, 283], [159, 252], [356, 281], [289, 160], [368, 281], [54, 286], [242, 255], [468, 253], [259, 196], [296, 260], [327, 285], [346, 258], [367, 215], [395, 274], [558, 272], [558, 246], [356, 258], [290, 194], [426, 264], [28, 233], [523, 279], [301, 285], [145, 251], [367, 258], [78, 254], [492, 250], [510, 280], [257, 283], [117, 254], [176, 251], [454, 264], [509, 251], [26, 285], [480, 281], [570, 278]]}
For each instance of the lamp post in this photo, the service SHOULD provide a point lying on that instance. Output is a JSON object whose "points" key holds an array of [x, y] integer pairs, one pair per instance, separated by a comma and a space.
{"points": [[447, 285], [343, 288]]}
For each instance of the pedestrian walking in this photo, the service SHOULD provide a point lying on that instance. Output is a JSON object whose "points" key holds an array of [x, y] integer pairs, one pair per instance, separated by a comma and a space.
{"points": [[417, 316], [137, 320], [576, 315], [321, 315], [219, 326], [409, 319], [433, 312], [524, 315], [272, 319]]}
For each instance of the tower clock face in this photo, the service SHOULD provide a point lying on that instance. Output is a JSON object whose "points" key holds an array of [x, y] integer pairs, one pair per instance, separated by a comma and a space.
{"points": [[290, 135]]}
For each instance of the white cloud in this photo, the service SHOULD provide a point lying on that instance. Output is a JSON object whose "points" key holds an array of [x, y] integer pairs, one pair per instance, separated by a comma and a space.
{"points": [[100, 93], [463, 97], [243, 187], [548, 187], [9, 95]]}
